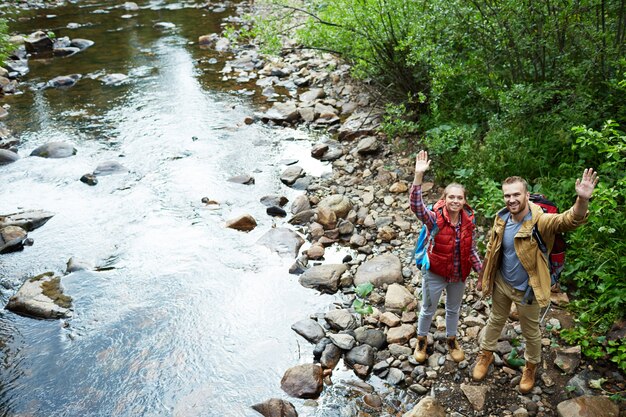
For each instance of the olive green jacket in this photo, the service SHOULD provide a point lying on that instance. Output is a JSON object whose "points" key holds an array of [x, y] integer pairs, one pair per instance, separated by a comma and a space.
{"points": [[532, 259]]}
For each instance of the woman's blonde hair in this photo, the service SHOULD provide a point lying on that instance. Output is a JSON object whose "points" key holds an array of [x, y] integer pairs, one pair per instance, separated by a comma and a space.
{"points": [[446, 190]]}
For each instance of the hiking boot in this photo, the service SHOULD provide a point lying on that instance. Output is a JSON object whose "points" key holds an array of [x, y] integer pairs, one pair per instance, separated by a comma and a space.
{"points": [[420, 354], [527, 382], [484, 359], [454, 349]]}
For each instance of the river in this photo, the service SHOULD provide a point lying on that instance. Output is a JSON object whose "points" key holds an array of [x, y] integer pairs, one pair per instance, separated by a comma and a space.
{"points": [[185, 317]]}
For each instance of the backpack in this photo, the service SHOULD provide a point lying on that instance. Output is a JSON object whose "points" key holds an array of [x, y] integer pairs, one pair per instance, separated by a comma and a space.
{"points": [[556, 257], [425, 240]]}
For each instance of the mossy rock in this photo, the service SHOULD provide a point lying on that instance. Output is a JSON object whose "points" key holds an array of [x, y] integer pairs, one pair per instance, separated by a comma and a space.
{"points": [[41, 296]]}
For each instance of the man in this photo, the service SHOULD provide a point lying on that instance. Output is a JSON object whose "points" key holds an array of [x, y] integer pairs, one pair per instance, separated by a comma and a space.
{"points": [[516, 270]]}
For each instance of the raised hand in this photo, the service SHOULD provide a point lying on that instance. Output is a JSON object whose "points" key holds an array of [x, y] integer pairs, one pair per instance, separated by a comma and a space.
{"points": [[586, 185], [422, 163]]}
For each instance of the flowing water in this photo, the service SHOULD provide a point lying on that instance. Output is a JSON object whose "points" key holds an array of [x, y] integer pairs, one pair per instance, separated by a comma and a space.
{"points": [[188, 318]]}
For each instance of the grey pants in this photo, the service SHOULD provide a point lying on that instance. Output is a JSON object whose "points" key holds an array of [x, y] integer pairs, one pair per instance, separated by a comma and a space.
{"points": [[432, 286]]}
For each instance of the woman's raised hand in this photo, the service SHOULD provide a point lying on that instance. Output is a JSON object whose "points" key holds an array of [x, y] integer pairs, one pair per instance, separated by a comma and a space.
{"points": [[422, 163]]}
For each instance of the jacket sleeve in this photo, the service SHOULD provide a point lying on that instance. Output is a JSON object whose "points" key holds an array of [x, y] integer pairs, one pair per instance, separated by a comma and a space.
{"points": [[563, 222]]}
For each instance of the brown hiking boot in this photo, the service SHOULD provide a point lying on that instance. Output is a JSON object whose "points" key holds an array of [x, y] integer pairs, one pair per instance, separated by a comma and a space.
{"points": [[484, 359], [420, 354], [527, 382], [454, 349]]}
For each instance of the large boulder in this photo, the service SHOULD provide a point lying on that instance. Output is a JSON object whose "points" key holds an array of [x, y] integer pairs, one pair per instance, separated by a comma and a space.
{"points": [[588, 406], [324, 278], [303, 381], [12, 238], [54, 150], [38, 43], [380, 270], [42, 297], [275, 407], [283, 241], [7, 157], [339, 204], [28, 220]]}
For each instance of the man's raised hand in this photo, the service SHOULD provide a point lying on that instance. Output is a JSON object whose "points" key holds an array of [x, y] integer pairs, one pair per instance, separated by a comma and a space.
{"points": [[586, 185]]}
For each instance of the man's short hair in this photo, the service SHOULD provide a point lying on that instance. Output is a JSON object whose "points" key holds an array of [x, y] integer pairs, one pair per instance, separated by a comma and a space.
{"points": [[514, 179]]}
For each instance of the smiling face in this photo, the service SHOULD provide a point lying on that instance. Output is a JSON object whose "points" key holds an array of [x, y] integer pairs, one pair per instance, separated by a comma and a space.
{"points": [[455, 198], [516, 198]]}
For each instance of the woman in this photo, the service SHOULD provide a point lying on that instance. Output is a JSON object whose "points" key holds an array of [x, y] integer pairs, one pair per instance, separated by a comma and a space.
{"points": [[452, 255]]}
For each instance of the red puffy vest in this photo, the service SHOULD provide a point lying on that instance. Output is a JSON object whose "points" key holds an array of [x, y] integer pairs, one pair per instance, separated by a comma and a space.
{"points": [[441, 253]]}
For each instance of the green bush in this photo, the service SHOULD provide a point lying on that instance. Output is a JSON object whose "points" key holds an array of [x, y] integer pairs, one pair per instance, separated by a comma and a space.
{"points": [[596, 263]]}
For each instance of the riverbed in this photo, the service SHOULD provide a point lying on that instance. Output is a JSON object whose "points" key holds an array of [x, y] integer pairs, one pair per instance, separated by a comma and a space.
{"points": [[182, 316]]}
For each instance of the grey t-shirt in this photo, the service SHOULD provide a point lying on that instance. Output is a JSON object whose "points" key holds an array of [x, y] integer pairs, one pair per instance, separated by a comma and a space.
{"points": [[511, 269]]}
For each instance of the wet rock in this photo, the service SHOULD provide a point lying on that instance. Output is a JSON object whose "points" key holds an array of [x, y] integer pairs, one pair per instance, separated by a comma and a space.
{"points": [[324, 278], [476, 395], [341, 319], [244, 222], [330, 355], [588, 406], [242, 179], [28, 220], [74, 265], [16, 67], [395, 376], [398, 298], [164, 25], [130, 6], [580, 383], [380, 270], [276, 212], [81, 44], [54, 150], [38, 43], [373, 401], [63, 81], [109, 168], [291, 174], [89, 179], [65, 51], [282, 240], [42, 297], [281, 112], [309, 329], [12, 238], [303, 381], [427, 407], [274, 200], [113, 79], [568, 358], [362, 355], [8, 157], [275, 408], [208, 40]]}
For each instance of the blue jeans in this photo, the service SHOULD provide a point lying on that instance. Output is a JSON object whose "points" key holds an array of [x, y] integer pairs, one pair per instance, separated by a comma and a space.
{"points": [[432, 286]]}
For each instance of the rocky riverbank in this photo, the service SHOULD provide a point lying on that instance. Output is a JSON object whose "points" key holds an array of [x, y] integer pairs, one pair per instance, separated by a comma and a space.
{"points": [[364, 205]]}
